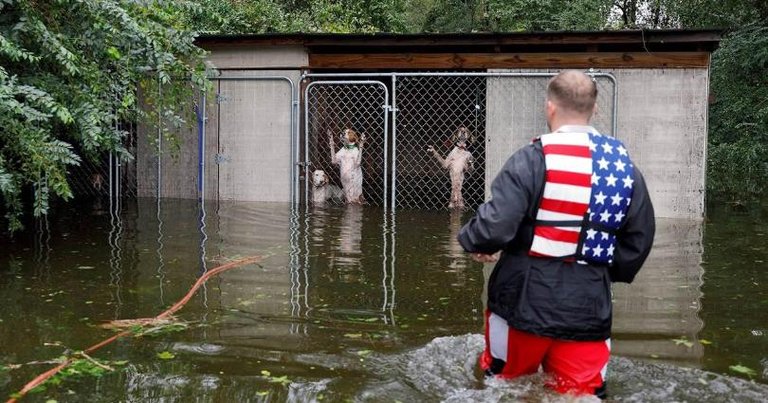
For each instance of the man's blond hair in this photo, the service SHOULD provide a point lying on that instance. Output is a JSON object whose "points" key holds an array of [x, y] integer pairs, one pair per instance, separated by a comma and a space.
{"points": [[574, 91]]}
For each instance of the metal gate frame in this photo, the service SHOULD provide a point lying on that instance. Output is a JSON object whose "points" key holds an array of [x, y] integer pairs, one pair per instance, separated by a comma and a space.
{"points": [[293, 133], [392, 105], [386, 107]]}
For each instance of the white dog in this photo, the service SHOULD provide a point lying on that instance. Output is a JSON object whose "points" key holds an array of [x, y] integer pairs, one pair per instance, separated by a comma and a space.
{"points": [[349, 158], [322, 190], [458, 162]]}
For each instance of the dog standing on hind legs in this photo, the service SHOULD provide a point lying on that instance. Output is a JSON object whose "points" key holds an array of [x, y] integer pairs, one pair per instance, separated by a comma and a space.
{"points": [[458, 162], [349, 159]]}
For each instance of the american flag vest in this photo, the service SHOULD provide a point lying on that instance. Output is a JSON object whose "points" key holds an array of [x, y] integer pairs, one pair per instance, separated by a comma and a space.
{"points": [[588, 187]]}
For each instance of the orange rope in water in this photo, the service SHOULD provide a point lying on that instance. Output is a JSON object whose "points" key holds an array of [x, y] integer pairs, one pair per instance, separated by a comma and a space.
{"points": [[168, 312]]}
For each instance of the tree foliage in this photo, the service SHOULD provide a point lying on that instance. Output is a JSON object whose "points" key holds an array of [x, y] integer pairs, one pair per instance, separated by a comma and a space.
{"points": [[70, 70], [333, 16], [738, 135], [506, 15]]}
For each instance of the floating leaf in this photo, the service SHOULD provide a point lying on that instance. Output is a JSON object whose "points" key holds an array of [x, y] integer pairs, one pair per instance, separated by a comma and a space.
{"points": [[743, 370], [705, 341], [283, 380], [262, 393], [364, 352], [265, 372], [683, 341], [356, 319], [353, 335], [165, 355]]}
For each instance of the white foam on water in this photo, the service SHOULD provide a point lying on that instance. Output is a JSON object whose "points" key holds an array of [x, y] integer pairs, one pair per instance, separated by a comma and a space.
{"points": [[445, 369], [637, 381], [306, 391]]}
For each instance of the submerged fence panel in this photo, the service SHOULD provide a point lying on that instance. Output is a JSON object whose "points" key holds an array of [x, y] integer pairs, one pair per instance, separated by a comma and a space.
{"points": [[107, 174], [434, 114], [334, 106], [451, 132]]}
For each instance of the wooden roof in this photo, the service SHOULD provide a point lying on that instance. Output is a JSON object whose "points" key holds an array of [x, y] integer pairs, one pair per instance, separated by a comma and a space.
{"points": [[628, 48]]}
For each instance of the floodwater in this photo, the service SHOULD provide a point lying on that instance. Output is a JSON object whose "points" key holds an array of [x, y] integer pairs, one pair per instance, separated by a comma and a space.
{"points": [[351, 304]]}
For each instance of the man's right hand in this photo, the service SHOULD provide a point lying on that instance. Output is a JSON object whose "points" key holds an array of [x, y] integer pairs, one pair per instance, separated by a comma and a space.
{"points": [[485, 258]]}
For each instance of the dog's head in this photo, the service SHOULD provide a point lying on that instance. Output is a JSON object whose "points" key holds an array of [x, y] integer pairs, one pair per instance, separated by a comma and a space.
{"points": [[349, 136], [462, 137], [319, 178]]}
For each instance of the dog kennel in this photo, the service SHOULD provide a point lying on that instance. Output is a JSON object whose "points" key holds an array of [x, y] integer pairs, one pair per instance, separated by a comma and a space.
{"points": [[278, 96]]}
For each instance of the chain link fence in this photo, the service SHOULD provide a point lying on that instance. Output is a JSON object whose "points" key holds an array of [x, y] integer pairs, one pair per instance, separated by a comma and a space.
{"points": [[331, 108], [431, 109], [448, 131], [95, 176], [431, 112]]}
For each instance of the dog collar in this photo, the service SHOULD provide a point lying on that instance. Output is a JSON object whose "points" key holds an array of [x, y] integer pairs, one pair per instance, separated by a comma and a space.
{"points": [[350, 146]]}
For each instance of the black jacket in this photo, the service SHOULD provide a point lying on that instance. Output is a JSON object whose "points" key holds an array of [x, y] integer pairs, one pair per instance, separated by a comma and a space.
{"points": [[551, 297]]}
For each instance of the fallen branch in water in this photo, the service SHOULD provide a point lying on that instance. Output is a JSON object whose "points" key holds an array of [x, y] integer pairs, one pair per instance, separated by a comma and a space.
{"points": [[165, 315], [142, 322]]}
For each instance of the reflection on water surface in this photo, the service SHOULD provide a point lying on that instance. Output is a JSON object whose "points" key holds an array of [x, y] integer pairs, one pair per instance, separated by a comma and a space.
{"points": [[352, 303]]}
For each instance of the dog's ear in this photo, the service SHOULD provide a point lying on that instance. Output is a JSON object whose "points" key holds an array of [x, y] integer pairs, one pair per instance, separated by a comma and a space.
{"points": [[325, 178]]}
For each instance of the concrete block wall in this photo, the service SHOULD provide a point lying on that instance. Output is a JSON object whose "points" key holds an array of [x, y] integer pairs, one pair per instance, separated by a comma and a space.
{"points": [[662, 118]]}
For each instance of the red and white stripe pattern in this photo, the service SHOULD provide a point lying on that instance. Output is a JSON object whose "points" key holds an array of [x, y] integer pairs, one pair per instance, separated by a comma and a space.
{"points": [[567, 192]]}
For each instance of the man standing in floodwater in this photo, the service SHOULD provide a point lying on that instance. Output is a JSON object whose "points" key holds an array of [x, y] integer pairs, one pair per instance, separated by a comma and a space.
{"points": [[569, 214]]}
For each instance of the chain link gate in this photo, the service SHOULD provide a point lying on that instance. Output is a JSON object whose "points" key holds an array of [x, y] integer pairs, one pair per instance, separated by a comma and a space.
{"points": [[431, 111], [432, 107], [428, 109], [330, 108]]}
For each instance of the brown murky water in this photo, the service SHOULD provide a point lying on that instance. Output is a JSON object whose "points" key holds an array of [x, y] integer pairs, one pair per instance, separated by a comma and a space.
{"points": [[352, 304]]}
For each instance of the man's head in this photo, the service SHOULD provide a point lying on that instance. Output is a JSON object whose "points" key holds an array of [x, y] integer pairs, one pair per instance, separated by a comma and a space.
{"points": [[571, 97]]}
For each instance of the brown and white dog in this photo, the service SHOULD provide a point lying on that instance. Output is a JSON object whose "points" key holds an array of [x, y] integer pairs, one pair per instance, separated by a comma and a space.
{"points": [[349, 158], [323, 191], [458, 162]]}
